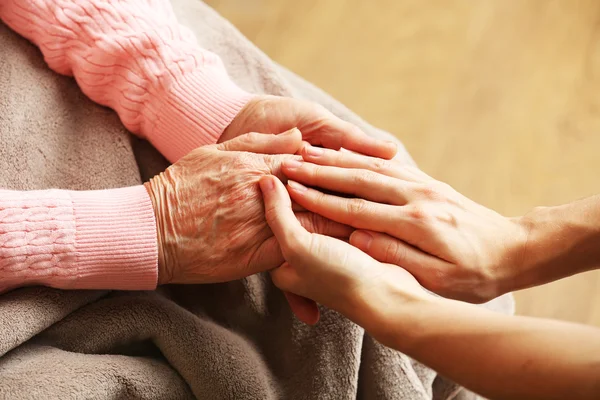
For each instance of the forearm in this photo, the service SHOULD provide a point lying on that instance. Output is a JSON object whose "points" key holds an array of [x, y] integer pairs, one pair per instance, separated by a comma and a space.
{"points": [[133, 56], [104, 239], [496, 355], [562, 241]]}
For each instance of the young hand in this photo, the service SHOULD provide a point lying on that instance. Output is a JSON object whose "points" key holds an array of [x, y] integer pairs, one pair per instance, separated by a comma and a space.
{"points": [[452, 245], [332, 272]]}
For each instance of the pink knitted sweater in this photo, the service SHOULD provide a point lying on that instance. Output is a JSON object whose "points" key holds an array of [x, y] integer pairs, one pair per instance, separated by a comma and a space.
{"points": [[132, 56]]}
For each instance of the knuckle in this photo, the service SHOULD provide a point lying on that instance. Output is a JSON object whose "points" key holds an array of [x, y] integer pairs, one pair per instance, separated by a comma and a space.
{"points": [[428, 191], [437, 279], [252, 137], [314, 171], [380, 165], [357, 206], [394, 253], [416, 213], [320, 198], [317, 224], [363, 177]]}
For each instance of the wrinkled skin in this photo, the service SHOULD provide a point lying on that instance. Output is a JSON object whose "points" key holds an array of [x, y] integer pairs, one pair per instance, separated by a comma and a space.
{"points": [[319, 127], [209, 211]]}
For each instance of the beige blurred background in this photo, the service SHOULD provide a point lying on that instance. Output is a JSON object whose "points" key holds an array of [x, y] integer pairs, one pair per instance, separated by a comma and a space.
{"points": [[499, 98]]}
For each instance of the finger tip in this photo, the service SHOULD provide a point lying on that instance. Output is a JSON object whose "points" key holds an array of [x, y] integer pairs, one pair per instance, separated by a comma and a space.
{"points": [[313, 319], [361, 240], [385, 149], [302, 148], [293, 135], [304, 152], [391, 150], [305, 309], [267, 183], [295, 188]]}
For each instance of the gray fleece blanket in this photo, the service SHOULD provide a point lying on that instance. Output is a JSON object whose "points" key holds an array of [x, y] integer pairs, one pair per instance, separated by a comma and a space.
{"points": [[233, 340]]}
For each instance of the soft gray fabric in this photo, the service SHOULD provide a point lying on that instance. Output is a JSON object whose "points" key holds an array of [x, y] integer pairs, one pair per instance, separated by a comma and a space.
{"points": [[234, 340]]}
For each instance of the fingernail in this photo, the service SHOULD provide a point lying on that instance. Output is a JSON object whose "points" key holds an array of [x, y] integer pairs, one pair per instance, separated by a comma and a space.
{"points": [[314, 151], [361, 239], [289, 132], [291, 164], [392, 145], [295, 186], [266, 185]]}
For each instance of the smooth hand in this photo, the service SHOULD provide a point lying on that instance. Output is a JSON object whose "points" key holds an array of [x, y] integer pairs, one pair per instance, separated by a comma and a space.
{"points": [[319, 127], [452, 245], [209, 212], [332, 272]]}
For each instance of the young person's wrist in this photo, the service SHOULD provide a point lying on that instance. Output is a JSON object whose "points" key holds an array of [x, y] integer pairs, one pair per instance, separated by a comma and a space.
{"points": [[388, 311], [561, 241]]}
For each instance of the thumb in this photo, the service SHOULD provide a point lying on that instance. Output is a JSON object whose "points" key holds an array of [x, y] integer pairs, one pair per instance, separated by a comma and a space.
{"points": [[291, 235], [288, 142], [288, 231]]}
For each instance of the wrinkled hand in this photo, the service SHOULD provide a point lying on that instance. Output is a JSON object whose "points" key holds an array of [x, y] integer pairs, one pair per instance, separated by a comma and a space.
{"points": [[209, 211], [332, 272], [319, 127], [452, 245]]}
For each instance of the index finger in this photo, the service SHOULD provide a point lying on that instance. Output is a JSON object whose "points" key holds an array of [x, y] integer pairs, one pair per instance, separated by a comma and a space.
{"points": [[348, 160], [279, 214], [355, 212], [338, 133], [288, 142]]}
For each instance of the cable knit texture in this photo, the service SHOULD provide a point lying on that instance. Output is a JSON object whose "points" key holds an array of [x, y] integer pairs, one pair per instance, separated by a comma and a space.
{"points": [[85, 240], [133, 56]]}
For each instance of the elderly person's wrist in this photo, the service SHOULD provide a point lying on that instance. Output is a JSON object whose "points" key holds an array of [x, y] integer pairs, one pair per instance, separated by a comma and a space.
{"points": [[155, 192]]}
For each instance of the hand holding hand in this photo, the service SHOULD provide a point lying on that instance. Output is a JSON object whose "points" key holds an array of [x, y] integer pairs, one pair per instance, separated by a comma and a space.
{"points": [[452, 245], [209, 212], [332, 272], [275, 114]]}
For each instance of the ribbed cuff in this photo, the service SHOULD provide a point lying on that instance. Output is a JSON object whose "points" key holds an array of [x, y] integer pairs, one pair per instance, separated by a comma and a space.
{"points": [[115, 243], [194, 113]]}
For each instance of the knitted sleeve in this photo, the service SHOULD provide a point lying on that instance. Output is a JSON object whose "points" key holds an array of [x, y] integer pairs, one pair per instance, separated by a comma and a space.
{"points": [[102, 239], [133, 56]]}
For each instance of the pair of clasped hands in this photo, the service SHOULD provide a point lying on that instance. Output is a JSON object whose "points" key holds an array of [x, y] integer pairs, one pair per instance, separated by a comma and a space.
{"points": [[400, 230], [341, 228]]}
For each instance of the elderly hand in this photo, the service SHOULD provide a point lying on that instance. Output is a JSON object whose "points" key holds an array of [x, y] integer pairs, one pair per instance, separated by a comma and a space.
{"points": [[209, 212], [332, 272], [452, 245], [274, 114]]}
